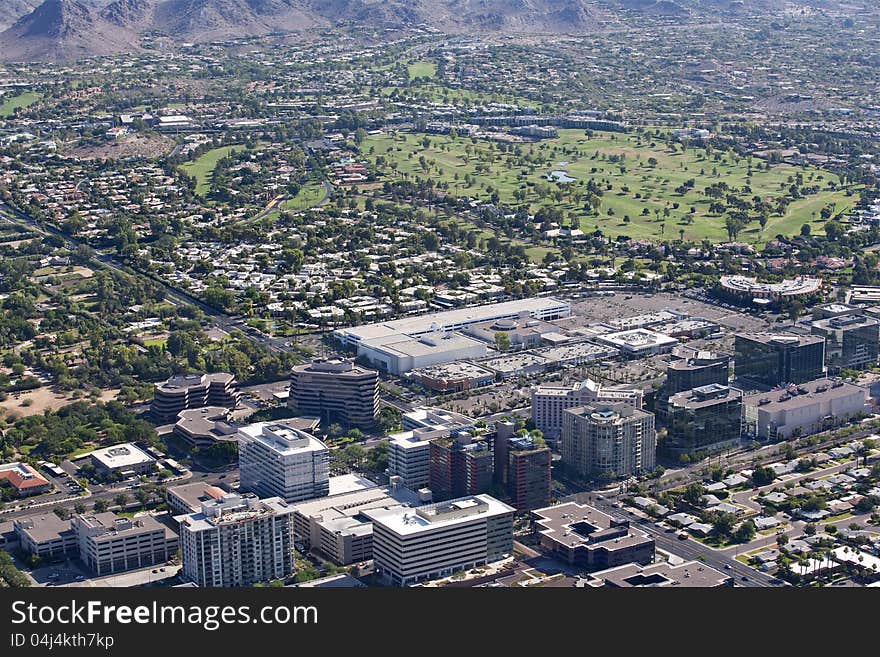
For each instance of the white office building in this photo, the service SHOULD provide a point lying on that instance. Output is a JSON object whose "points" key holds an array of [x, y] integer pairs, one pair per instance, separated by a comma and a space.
{"points": [[437, 540], [548, 402], [237, 540], [277, 460], [409, 456]]}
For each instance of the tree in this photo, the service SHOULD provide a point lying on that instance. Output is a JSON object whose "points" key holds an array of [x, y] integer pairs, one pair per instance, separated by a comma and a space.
{"points": [[121, 500], [834, 230], [694, 492], [502, 341], [805, 230], [79, 508], [100, 506], [389, 419], [745, 532], [762, 476]]}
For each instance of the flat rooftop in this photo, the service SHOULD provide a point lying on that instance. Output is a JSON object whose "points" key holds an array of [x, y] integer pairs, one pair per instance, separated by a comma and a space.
{"points": [[282, 438], [350, 483], [232, 509], [185, 381], [352, 503], [637, 339], [337, 366], [195, 494], [691, 574], [572, 524], [44, 527], [210, 421], [109, 523], [804, 394], [782, 339], [705, 396], [453, 318], [403, 521], [429, 344], [121, 456]]}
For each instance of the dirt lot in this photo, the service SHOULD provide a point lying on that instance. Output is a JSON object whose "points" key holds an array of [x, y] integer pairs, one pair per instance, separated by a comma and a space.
{"points": [[131, 146], [41, 399]]}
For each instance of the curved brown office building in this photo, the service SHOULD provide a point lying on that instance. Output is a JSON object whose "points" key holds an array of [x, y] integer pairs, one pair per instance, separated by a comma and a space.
{"points": [[337, 391]]}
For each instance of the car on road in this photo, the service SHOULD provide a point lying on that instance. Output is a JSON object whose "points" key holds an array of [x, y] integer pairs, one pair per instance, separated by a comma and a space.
{"points": [[682, 536]]}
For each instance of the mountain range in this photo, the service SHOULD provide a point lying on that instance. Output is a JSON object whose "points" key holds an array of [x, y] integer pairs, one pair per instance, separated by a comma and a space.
{"points": [[60, 30], [67, 29]]}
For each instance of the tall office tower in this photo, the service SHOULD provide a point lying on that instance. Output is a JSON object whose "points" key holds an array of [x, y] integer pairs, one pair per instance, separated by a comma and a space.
{"points": [[237, 540], [772, 360], [437, 540], [276, 460], [851, 341], [337, 391], [193, 391], [549, 402], [460, 465], [607, 441]]}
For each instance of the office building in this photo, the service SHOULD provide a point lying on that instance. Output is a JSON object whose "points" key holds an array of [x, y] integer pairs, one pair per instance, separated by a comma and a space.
{"points": [[193, 391], [589, 539], [548, 402], [606, 441], [276, 460], [409, 455], [110, 544], [337, 391], [772, 360], [638, 343], [336, 527], [24, 480], [203, 427], [188, 498], [800, 410], [437, 540], [125, 459], [695, 369], [236, 541], [523, 468], [46, 536], [852, 342], [690, 574], [436, 419], [745, 289], [708, 417], [461, 465]]}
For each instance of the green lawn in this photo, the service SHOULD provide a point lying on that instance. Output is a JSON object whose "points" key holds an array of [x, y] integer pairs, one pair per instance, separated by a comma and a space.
{"points": [[204, 166], [155, 342], [421, 69], [309, 196], [637, 195], [23, 100]]}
